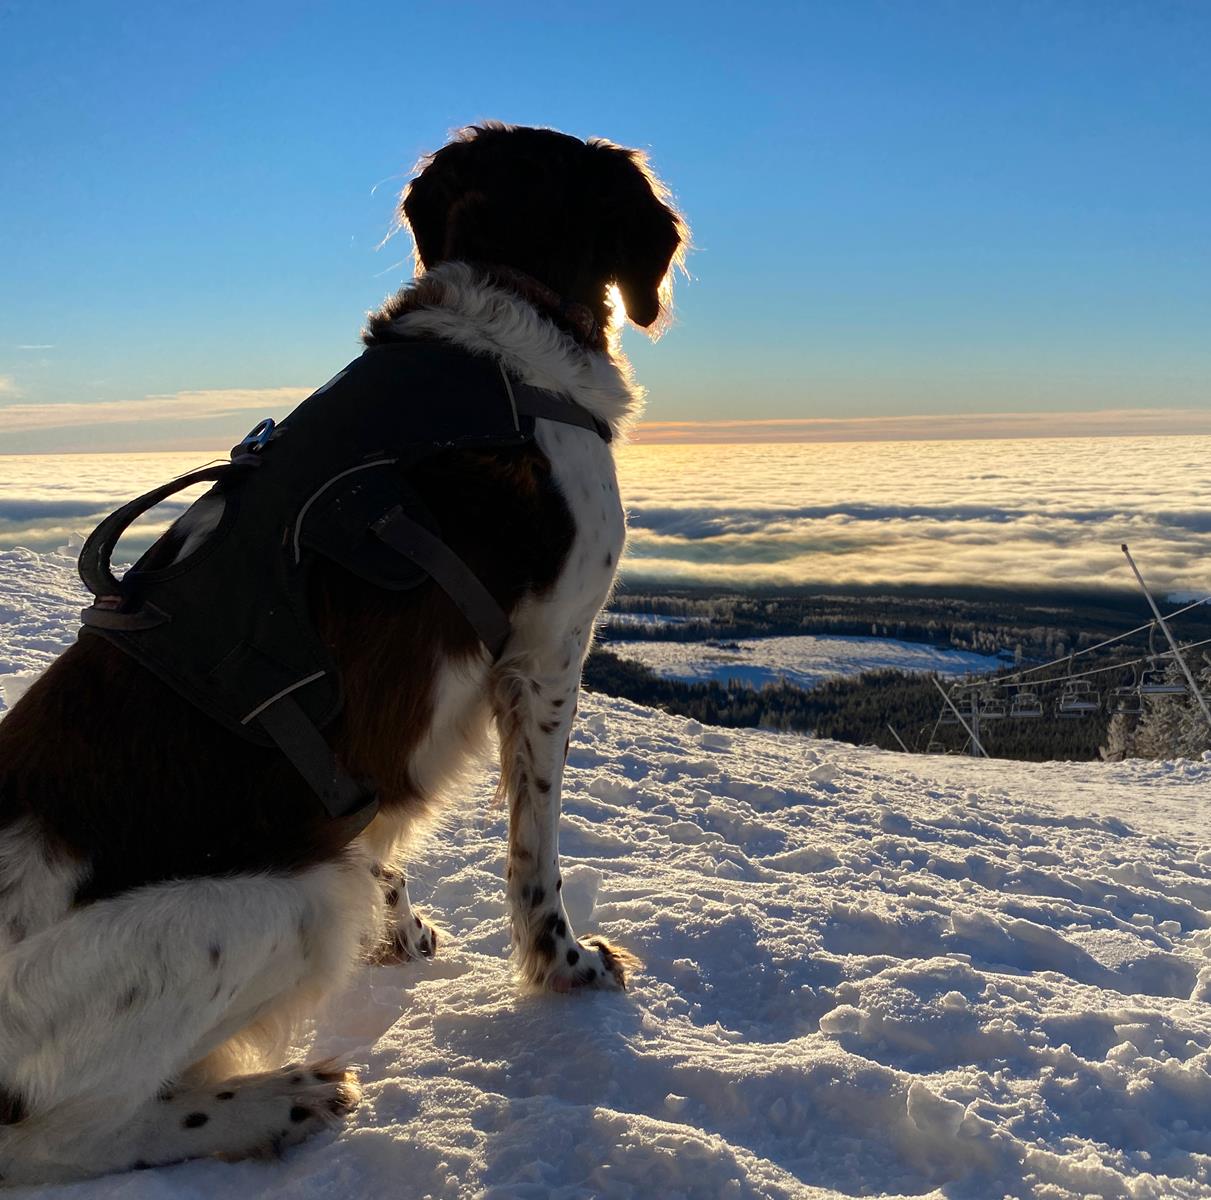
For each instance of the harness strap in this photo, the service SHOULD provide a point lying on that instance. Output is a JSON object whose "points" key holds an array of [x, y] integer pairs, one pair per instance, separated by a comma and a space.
{"points": [[528, 400], [449, 572], [303, 744], [94, 563], [551, 406]]}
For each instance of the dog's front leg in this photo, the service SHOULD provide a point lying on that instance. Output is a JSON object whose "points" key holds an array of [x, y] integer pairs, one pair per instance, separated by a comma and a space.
{"points": [[407, 935], [535, 705]]}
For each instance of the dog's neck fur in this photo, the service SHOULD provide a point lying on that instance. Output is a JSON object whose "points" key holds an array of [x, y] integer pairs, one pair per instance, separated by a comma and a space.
{"points": [[454, 302]]}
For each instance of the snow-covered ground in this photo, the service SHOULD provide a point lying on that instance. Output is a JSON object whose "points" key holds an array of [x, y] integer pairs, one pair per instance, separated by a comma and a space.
{"points": [[803, 660], [40, 602], [866, 974]]}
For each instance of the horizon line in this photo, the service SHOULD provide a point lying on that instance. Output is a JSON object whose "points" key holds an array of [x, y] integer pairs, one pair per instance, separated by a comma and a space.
{"points": [[925, 427], [1111, 422]]}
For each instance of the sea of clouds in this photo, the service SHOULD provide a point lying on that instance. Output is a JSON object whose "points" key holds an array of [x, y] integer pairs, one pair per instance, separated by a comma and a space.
{"points": [[1013, 512], [1000, 512]]}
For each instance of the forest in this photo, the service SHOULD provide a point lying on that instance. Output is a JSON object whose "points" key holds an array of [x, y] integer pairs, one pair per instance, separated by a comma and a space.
{"points": [[1024, 627]]}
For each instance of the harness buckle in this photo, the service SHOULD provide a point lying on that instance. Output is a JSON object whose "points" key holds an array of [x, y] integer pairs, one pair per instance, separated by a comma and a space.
{"points": [[256, 439]]}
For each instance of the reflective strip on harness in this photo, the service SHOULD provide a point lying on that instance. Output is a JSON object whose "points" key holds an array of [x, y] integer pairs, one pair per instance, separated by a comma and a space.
{"points": [[309, 752]]}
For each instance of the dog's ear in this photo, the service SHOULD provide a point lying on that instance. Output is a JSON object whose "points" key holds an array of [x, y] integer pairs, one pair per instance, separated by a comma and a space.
{"points": [[433, 198], [641, 232]]}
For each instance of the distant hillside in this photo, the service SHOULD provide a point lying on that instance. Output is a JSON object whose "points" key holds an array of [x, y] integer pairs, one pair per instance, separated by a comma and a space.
{"points": [[860, 710], [1033, 624], [1024, 626]]}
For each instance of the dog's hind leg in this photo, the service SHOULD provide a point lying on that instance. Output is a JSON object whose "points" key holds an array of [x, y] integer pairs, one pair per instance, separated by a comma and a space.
{"points": [[249, 1116], [535, 697], [120, 1024]]}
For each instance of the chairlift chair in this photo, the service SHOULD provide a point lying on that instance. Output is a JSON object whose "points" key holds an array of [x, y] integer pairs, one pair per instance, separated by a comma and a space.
{"points": [[965, 703], [967, 706], [992, 709], [1126, 700], [1026, 705], [1077, 699], [1154, 682]]}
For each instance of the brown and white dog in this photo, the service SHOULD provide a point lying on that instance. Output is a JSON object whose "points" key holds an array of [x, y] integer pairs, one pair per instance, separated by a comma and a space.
{"points": [[172, 900]]}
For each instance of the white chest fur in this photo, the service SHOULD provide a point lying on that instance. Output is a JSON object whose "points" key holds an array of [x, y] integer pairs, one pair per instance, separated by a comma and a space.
{"points": [[583, 468]]}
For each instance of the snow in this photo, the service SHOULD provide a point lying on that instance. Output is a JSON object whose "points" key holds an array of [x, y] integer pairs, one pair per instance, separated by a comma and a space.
{"points": [[865, 974], [40, 602], [804, 661]]}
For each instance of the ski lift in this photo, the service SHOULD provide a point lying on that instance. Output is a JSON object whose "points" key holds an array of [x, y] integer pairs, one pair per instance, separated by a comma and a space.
{"points": [[992, 708], [1026, 705], [1155, 681], [965, 702], [1077, 699], [1125, 700]]}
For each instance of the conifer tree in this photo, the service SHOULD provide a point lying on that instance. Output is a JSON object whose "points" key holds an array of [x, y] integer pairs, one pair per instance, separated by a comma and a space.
{"points": [[1120, 738]]}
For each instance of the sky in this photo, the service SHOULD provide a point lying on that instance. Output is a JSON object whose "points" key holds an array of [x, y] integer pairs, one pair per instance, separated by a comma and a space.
{"points": [[914, 216]]}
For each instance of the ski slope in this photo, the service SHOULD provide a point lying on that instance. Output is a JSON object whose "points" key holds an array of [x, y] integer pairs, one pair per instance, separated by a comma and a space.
{"points": [[866, 974]]}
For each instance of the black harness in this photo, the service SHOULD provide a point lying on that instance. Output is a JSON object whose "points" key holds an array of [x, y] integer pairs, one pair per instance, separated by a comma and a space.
{"points": [[228, 626]]}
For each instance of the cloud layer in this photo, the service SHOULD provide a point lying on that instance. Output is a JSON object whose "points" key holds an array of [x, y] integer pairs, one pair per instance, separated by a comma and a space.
{"points": [[1046, 511], [48, 499]]}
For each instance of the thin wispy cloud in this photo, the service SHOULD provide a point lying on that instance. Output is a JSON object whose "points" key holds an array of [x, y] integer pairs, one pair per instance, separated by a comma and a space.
{"points": [[937, 427], [36, 346], [177, 406]]}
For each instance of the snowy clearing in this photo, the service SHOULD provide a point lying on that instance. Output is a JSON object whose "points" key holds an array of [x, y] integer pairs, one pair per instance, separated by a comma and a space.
{"points": [[804, 661], [865, 974], [40, 602]]}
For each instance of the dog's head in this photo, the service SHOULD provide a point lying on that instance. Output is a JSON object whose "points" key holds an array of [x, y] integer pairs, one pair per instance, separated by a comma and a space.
{"points": [[580, 217]]}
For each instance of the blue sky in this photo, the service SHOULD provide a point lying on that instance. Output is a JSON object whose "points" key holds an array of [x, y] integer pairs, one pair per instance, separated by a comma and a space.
{"points": [[908, 208]]}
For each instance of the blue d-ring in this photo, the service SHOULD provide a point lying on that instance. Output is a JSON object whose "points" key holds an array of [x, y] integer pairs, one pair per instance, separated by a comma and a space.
{"points": [[259, 436]]}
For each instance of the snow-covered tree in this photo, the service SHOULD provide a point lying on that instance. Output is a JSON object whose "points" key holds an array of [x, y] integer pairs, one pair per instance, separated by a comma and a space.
{"points": [[1194, 735], [1120, 738], [1174, 726]]}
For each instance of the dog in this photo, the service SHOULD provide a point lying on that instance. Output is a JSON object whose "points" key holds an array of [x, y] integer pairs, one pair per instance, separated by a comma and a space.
{"points": [[173, 902]]}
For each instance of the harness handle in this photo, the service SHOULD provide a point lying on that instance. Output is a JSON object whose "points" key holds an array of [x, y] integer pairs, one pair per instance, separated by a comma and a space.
{"points": [[94, 562]]}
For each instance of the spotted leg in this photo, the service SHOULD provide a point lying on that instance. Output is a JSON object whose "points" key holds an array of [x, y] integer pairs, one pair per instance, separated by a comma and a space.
{"points": [[249, 1116], [407, 935], [179, 981], [535, 704]]}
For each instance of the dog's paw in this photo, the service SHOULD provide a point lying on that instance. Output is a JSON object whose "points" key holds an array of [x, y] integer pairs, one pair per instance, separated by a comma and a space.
{"points": [[254, 1116], [591, 963], [412, 938], [319, 1097]]}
